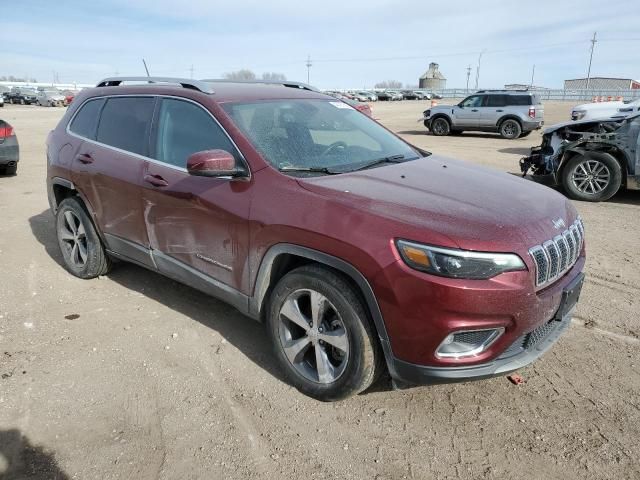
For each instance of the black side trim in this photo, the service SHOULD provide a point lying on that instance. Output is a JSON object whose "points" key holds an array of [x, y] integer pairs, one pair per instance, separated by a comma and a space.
{"points": [[53, 203], [130, 250], [263, 281], [183, 273]]}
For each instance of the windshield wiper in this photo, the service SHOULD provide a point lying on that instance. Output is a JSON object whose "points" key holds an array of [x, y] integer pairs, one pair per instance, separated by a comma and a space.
{"points": [[390, 159], [308, 169]]}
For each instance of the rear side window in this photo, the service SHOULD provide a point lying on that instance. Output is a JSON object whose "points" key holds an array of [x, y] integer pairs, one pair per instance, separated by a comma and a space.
{"points": [[496, 100], [520, 100], [125, 123], [86, 120], [184, 129]]}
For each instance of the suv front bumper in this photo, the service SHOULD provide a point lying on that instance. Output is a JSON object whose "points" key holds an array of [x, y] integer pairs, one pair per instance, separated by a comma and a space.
{"points": [[524, 350]]}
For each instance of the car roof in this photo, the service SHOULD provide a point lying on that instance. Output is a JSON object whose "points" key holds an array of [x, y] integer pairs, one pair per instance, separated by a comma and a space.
{"points": [[220, 91]]}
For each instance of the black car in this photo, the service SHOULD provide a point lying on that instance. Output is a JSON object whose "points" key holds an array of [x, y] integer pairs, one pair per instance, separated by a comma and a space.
{"points": [[22, 95], [409, 95], [9, 150], [590, 159]]}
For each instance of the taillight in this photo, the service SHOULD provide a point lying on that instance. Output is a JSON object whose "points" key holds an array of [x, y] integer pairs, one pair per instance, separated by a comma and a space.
{"points": [[532, 112], [6, 131]]}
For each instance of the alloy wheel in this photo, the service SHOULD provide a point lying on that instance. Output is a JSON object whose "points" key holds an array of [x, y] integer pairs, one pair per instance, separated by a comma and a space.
{"points": [[74, 239], [313, 336], [591, 177]]}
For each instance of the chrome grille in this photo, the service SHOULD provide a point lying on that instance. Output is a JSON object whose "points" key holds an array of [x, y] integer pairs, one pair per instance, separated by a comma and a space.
{"points": [[555, 257]]}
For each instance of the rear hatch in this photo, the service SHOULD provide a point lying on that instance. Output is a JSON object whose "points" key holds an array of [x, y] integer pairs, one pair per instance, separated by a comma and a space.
{"points": [[539, 108]]}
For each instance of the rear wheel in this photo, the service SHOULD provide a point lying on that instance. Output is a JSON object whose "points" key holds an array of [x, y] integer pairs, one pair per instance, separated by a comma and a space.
{"points": [[510, 129], [593, 177], [440, 127], [321, 334], [10, 170], [81, 248]]}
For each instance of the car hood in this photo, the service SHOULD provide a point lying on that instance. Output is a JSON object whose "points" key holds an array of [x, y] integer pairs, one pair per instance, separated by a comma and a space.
{"points": [[591, 121], [599, 106], [476, 208]]}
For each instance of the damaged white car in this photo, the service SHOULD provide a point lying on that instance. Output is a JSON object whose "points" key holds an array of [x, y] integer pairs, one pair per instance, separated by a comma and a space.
{"points": [[590, 159]]}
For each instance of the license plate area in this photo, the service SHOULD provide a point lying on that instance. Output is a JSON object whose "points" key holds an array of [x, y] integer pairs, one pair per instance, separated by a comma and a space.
{"points": [[570, 296]]}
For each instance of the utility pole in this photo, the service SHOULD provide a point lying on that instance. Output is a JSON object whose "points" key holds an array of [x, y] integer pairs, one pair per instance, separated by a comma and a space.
{"points": [[309, 65], [478, 69], [593, 46], [533, 72], [468, 75], [191, 70]]}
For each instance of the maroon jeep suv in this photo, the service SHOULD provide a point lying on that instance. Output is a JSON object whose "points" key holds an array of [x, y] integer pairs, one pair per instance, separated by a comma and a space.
{"points": [[360, 252]]}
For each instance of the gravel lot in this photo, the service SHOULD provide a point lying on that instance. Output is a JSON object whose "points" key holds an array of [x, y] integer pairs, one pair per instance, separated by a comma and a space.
{"points": [[134, 376]]}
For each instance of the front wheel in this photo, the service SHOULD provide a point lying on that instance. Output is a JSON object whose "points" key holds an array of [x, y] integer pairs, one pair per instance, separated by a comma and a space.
{"points": [[82, 251], [321, 334], [440, 127], [593, 177], [510, 129]]}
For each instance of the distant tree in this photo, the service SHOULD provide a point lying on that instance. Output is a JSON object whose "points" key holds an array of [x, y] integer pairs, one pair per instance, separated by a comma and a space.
{"points": [[277, 77], [243, 74], [389, 84]]}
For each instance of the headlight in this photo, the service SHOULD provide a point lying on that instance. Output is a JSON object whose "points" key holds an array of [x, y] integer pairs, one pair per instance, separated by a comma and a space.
{"points": [[578, 114], [446, 262]]}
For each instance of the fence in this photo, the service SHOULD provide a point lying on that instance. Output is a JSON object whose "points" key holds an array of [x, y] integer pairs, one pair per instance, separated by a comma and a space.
{"points": [[560, 94]]}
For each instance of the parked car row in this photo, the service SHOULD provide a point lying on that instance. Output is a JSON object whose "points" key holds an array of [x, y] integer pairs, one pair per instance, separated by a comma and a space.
{"points": [[43, 96], [386, 95]]}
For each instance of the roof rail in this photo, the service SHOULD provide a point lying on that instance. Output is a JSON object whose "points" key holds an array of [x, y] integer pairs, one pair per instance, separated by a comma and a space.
{"points": [[284, 83], [199, 85], [504, 90]]}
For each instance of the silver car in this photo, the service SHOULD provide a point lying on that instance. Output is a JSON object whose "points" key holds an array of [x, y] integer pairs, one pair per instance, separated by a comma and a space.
{"points": [[511, 113], [50, 97]]}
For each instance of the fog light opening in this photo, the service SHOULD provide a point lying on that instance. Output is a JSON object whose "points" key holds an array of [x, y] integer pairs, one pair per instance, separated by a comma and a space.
{"points": [[468, 343]]}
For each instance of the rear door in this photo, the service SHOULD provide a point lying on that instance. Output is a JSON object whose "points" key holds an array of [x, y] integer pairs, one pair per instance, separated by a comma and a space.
{"points": [[107, 168], [492, 110], [467, 113], [197, 226]]}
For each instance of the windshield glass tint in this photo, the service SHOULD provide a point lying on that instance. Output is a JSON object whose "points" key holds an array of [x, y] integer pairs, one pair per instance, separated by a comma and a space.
{"points": [[315, 133]]}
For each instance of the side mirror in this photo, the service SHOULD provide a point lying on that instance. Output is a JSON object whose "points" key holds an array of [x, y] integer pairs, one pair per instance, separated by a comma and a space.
{"points": [[213, 163]]}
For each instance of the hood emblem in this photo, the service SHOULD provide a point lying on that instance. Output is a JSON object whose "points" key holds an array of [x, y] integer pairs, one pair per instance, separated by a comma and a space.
{"points": [[558, 223]]}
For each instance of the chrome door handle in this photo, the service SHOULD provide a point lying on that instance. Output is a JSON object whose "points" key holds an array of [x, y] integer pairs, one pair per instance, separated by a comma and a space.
{"points": [[156, 180]]}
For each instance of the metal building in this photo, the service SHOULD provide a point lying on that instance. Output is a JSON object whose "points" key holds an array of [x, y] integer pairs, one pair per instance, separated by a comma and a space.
{"points": [[602, 83], [432, 78]]}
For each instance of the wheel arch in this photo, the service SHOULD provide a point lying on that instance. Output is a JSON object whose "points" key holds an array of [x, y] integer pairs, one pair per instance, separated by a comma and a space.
{"points": [[509, 117], [284, 257], [441, 115]]}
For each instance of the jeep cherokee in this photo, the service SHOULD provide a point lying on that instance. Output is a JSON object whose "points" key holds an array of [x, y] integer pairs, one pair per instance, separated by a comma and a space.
{"points": [[359, 251]]}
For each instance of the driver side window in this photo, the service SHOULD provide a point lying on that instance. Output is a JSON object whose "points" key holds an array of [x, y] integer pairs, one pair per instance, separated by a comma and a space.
{"points": [[472, 102]]}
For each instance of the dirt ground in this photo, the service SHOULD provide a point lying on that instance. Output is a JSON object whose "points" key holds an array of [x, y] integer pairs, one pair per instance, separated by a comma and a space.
{"points": [[134, 376]]}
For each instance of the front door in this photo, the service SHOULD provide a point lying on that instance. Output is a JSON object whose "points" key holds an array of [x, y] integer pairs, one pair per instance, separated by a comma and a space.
{"points": [[197, 226], [467, 113]]}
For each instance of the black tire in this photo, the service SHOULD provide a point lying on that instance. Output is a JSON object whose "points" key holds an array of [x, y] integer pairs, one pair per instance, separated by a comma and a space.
{"points": [[362, 363], [95, 261], [604, 182], [440, 127], [525, 134], [510, 129], [10, 170]]}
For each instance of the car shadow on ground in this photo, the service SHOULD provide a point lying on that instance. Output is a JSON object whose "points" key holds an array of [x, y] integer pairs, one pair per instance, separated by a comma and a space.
{"points": [[627, 197], [19, 459], [247, 335]]}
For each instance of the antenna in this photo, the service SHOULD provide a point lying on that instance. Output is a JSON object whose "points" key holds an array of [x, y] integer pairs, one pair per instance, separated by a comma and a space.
{"points": [[593, 46], [309, 65], [145, 67]]}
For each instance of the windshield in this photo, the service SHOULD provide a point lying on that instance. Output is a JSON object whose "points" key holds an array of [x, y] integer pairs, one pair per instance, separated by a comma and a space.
{"points": [[316, 134]]}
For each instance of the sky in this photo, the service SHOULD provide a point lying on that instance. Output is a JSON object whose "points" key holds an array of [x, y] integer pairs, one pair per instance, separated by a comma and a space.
{"points": [[351, 43]]}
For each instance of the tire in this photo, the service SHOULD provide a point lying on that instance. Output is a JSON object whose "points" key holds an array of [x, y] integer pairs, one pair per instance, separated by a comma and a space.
{"points": [[10, 170], [525, 134], [353, 360], [510, 129], [22, 101], [76, 233], [592, 177], [440, 127]]}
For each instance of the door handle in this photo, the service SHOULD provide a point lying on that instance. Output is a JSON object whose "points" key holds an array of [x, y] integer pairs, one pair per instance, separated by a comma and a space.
{"points": [[85, 158], [499, 110], [155, 180], [474, 110]]}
